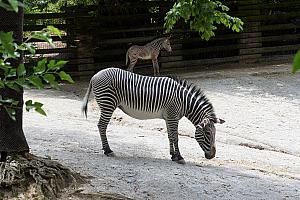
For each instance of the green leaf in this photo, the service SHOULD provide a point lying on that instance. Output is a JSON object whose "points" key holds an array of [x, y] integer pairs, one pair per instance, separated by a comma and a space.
{"points": [[29, 105], [296, 62], [65, 77], [6, 39], [2, 85], [13, 86], [6, 101], [30, 48], [53, 65], [41, 66], [44, 36], [21, 71], [54, 30], [36, 81], [4, 65], [14, 5], [23, 83], [61, 63], [41, 111], [201, 16], [50, 78], [6, 6], [37, 106], [11, 113], [15, 103], [12, 72]]}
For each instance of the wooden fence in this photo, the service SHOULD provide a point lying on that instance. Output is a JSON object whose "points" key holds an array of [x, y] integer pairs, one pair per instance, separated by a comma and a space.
{"points": [[98, 37], [65, 46]]}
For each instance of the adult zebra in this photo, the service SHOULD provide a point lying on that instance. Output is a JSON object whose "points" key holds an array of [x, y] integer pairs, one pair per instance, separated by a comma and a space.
{"points": [[145, 97]]}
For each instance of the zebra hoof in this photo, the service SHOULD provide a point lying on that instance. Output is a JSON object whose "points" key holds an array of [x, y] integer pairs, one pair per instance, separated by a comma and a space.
{"points": [[110, 154], [182, 161], [178, 158]]}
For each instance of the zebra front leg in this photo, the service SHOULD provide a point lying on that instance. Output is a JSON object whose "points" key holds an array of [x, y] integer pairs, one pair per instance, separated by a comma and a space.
{"points": [[155, 66], [172, 127], [171, 145], [102, 126], [178, 158]]}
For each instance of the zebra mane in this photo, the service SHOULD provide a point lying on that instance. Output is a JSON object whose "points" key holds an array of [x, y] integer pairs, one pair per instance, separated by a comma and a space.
{"points": [[163, 36], [189, 86], [157, 39], [194, 89]]}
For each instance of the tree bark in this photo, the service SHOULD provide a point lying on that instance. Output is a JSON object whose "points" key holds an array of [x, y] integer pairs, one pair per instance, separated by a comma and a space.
{"points": [[12, 138]]}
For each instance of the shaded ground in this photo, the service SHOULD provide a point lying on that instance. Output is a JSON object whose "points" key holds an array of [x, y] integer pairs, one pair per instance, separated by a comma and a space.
{"points": [[258, 148]]}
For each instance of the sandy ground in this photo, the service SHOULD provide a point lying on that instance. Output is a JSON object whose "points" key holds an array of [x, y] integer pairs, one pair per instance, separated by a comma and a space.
{"points": [[258, 148]]}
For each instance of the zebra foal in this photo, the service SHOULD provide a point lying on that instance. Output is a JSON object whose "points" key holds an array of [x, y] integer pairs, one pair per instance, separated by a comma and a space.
{"points": [[145, 97], [148, 51]]}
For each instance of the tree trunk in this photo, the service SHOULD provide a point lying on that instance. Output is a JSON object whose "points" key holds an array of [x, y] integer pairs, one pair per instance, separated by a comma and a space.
{"points": [[12, 138]]}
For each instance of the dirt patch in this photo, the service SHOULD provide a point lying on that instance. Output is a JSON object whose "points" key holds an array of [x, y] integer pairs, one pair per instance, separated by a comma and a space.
{"points": [[258, 152], [94, 196]]}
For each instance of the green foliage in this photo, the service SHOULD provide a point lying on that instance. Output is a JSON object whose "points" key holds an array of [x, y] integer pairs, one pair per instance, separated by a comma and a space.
{"points": [[296, 62], [11, 5], [16, 78], [37, 106], [202, 16], [37, 6]]}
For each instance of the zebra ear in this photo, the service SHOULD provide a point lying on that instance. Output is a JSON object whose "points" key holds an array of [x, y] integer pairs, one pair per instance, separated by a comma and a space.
{"points": [[218, 120], [169, 37]]}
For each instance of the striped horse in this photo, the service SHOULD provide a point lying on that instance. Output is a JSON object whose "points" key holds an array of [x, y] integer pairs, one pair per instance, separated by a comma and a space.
{"points": [[150, 50], [146, 97]]}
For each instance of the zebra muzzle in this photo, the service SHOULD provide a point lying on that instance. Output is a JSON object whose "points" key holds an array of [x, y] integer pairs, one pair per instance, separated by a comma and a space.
{"points": [[210, 154]]}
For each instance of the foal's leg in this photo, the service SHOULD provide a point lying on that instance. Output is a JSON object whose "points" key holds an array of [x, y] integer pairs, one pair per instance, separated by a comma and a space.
{"points": [[133, 61], [155, 66]]}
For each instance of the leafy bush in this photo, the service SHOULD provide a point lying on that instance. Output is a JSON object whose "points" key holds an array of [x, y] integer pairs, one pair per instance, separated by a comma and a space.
{"points": [[22, 76], [296, 62], [202, 16]]}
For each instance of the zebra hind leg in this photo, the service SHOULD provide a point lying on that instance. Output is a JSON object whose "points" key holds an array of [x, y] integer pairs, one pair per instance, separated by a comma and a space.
{"points": [[132, 63], [102, 126]]}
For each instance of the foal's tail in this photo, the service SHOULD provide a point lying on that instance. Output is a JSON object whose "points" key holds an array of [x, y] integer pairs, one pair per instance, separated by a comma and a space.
{"points": [[86, 100], [126, 58]]}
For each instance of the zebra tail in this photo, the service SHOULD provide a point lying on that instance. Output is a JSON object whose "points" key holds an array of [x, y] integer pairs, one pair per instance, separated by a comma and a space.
{"points": [[86, 100], [126, 58]]}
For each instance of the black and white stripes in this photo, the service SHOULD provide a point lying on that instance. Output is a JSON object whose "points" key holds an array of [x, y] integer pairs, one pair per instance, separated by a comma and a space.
{"points": [[145, 97]]}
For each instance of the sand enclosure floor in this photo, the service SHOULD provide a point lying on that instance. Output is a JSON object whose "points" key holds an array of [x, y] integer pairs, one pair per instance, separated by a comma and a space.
{"points": [[258, 148]]}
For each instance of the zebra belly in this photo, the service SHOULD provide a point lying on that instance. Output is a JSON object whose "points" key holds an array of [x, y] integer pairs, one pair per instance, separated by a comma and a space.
{"points": [[140, 114], [145, 57]]}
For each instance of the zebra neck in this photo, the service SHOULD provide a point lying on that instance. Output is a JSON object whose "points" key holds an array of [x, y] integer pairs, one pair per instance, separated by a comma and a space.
{"points": [[198, 109], [157, 44]]}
